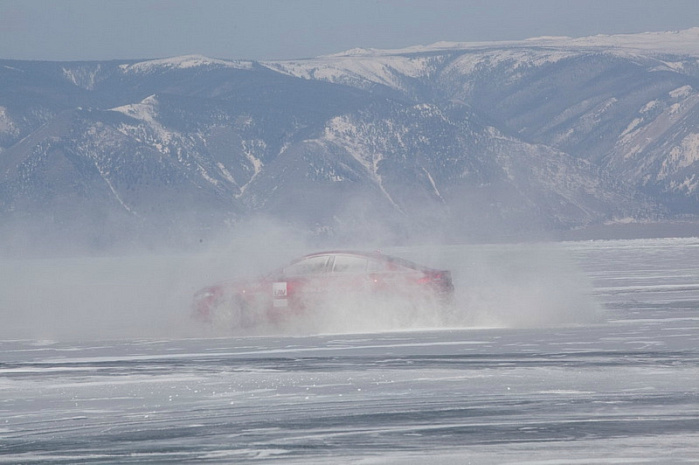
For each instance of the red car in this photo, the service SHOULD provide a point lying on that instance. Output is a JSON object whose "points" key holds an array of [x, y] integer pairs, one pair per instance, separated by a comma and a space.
{"points": [[317, 279]]}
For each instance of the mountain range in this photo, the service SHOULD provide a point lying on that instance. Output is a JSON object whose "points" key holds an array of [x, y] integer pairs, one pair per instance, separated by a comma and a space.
{"points": [[452, 141]]}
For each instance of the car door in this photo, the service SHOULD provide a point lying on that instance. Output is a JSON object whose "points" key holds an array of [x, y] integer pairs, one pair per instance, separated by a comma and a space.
{"points": [[348, 274], [301, 280]]}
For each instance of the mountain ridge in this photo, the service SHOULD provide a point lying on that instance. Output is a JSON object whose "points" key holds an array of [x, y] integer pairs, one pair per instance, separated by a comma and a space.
{"points": [[477, 141]]}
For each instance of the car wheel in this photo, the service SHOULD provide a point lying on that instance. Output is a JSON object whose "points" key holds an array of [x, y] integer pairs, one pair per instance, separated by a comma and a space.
{"points": [[232, 312]]}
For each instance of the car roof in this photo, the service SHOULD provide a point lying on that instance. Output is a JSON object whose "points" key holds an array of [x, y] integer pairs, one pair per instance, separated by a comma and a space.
{"points": [[375, 255]]}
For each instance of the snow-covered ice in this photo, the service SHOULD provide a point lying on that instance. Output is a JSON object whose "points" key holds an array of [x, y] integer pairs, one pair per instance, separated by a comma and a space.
{"points": [[617, 388]]}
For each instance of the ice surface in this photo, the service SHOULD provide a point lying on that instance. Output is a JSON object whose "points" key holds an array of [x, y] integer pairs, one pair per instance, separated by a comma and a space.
{"points": [[621, 389]]}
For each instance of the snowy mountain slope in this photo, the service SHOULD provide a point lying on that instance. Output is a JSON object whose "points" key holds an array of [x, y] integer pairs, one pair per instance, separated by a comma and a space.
{"points": [[450, 139], [675, 51], [670, 42], [587, 97]]}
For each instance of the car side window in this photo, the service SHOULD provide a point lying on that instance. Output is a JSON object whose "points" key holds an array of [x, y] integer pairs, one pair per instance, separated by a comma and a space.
{"points": [[307, 266], [349, 264]]}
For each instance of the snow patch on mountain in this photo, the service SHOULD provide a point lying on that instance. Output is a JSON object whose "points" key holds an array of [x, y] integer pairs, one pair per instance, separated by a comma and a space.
{"points": [[206, 176], [250, 148], [386, 70], [391, 70], [84, 76], [112, 189], [682, 156], [146, 111], [344, 132], [226, 174], [681, 92], [181, 62], [647, 128], [433, 185], [7, 125], [472, 62], [649, 106]]}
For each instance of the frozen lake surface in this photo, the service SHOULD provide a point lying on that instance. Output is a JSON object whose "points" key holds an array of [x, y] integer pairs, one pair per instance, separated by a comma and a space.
{"points": [[518, 384]]}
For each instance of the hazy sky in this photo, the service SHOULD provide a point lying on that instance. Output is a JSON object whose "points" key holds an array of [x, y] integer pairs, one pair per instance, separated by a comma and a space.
{"points": [[279, 29]]}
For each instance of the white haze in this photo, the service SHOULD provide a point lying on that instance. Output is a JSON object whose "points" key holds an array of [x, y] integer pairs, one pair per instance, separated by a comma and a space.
{"points": [[148, 295]]}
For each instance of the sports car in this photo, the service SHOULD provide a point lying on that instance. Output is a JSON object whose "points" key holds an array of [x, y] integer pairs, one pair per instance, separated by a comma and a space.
{"points": [[310, 282]]}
